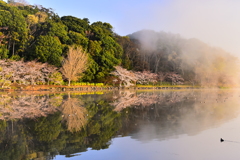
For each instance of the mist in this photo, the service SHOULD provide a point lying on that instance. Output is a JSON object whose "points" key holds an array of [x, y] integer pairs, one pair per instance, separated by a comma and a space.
{"points": [[196, 61], [215, 22]]}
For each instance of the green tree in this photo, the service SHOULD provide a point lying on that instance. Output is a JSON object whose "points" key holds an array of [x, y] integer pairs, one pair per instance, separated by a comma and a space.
{"points": [[78, 39], [104, 50], [3, 52], [76, 24], [13, 19], [48, 49], [131, 58], [58, 29]]}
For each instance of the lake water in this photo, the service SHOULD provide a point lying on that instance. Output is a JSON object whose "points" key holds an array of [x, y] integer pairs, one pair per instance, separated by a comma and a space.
{"points": [[125, 125]]}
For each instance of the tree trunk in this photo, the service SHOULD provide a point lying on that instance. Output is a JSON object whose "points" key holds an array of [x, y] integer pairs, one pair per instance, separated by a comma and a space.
{"points": [[69, 82], [13, 51], [158, 58]]}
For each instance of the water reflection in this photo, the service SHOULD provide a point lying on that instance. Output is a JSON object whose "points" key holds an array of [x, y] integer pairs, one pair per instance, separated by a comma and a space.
{"points": [[74, 114], [187, 113], [17, 106], [42, 126]]}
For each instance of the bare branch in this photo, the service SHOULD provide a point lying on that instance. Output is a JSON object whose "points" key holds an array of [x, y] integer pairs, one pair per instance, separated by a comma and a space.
{"points": [[74, 64]]}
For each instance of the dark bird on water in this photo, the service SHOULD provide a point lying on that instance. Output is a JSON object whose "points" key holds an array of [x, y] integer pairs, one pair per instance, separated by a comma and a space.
{"points": [[221, 140]]}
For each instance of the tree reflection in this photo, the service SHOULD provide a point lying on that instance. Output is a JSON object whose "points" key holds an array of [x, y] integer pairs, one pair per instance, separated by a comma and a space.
{"points": [[27, 106], [130, 98], [47, 128], [103, 124], [13, 142], [181, 113], [77, 122], [73, 113]]}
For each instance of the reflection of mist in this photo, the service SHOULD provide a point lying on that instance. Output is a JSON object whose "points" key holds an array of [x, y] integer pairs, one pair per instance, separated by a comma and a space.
{"points": [[183, 112], [145, 116]]}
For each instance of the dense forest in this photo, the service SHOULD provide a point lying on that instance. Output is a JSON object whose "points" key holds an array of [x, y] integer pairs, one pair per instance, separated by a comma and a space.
{"points": [[36, 34]]}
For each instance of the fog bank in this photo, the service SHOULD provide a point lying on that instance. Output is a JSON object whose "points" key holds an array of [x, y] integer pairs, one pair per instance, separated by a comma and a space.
{"points": [[216, 22]]}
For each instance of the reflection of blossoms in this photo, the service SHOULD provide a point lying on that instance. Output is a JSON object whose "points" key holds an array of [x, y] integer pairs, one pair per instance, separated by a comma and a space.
{"points": [[128, 99], [33, 106], [27, 106]]}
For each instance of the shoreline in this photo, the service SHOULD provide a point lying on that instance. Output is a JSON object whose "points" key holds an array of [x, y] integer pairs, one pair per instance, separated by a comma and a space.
{"points": [[59, 88]]}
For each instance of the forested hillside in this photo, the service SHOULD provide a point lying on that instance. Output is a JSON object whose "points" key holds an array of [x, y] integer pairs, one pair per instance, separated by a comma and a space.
{"points": [[195, 61], [35, 33]]}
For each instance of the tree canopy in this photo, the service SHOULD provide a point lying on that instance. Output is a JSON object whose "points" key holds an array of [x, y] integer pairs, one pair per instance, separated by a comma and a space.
{"points": [[37, 33], [31, 32]]}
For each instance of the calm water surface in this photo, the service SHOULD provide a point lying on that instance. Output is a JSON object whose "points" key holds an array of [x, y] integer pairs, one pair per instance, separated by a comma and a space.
{"points": [[174, 125]]}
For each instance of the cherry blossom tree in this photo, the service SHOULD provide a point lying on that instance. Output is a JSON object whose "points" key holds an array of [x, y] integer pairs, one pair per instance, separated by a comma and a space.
{"points": [[31, 72], [130, 78], [161, 76], [174, 78]]}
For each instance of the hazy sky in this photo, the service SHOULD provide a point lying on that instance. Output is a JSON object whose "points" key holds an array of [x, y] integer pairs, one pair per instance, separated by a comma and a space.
{"points": [[216, 22]]}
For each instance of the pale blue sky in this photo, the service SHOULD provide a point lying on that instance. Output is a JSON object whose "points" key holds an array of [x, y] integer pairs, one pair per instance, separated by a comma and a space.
{"points": [[216, 22], [116, 12]]}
